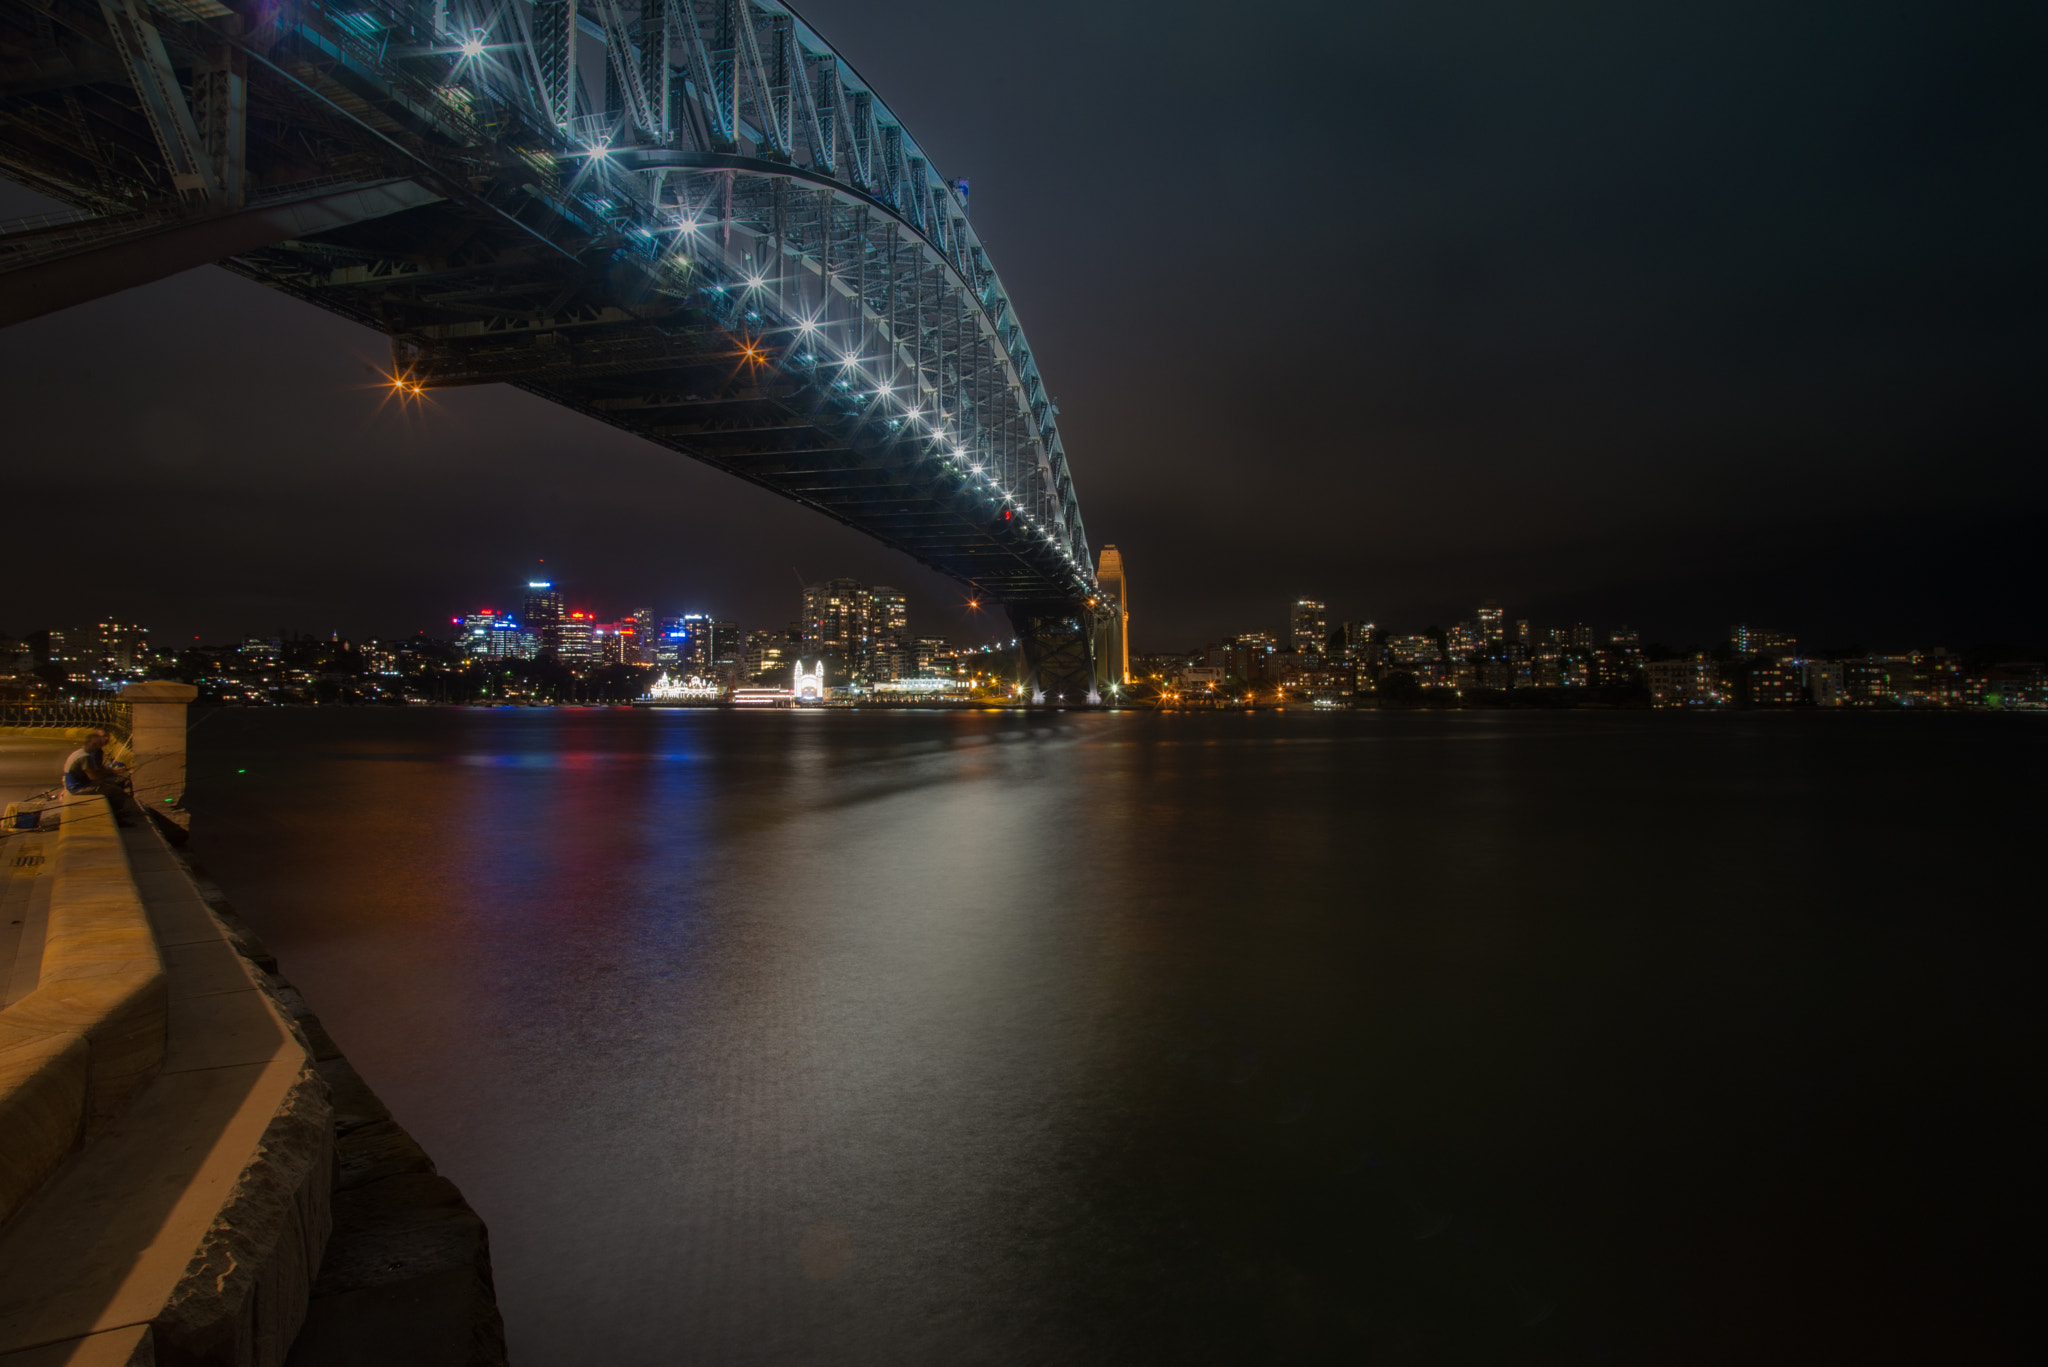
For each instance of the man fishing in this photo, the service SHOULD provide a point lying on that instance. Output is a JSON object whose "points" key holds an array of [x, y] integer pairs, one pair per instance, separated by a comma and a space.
{"points": [[88, 770]]}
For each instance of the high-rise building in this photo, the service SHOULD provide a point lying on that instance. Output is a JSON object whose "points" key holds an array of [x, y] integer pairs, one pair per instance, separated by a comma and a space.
{"points": [[1358, 642], [836, 625], [1311, 626], [618, 643], [576, 638], [768, 652], [114, 650], [643, 636], [477, 634], [1492, 624], [890, 654], [544, 613], [1109, 573]]}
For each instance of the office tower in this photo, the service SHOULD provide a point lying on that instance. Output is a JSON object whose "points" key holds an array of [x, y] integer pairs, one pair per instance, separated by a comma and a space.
{"points": [[1492, 624], [643, 636], [1109, 573], [576, 638], [479, 634], [544, 614], [725, 647], [669, 642], [1311, 627]]}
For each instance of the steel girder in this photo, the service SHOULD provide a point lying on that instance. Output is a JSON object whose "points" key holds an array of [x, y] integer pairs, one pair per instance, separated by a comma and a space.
{"points": [[732, 248]]}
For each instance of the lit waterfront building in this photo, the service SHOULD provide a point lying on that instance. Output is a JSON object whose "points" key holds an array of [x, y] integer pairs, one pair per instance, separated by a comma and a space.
{"points": [[1109, 573], [689, 690], [836, 625], [809, 684], [644, 628], [1310, 627], [925, 689]]}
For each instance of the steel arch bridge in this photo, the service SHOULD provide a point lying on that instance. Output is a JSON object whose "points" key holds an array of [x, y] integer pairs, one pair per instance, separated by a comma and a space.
{"points": [[691, 219]]}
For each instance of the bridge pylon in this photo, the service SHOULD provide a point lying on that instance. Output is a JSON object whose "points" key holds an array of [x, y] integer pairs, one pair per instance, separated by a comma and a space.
{"points": [[1066, 649]]}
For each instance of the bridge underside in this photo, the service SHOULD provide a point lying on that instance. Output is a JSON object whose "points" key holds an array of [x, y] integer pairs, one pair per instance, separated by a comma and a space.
{"points": [[817, 330]]}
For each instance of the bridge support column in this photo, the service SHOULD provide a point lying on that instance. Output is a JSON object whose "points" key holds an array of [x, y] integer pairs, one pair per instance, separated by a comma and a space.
{"points": [[1061, 652]]}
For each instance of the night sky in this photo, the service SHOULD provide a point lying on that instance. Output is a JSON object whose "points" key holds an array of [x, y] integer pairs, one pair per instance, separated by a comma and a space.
{"points": [[1667, 314]]}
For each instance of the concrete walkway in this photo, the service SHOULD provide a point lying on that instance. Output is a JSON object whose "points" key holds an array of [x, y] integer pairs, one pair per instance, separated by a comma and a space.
{"points": [[28, 765], [96, 1254]]}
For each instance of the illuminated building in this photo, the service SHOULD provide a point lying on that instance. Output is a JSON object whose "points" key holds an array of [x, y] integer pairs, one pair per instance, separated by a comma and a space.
{"points": [[543, 614], [890, 654], [1310, 628], [1492, 629], [1358, 642], [836, 625], [916, 689], [670, 636], [115, 650], [687, 691], [1462, 641], [618, 643], [485, 634], [1408, 651], [809, 686], [1749, 640], [1109, 573], [1675, 683], [576, 639], [643, 636], [767, 652], [1775, 683]]}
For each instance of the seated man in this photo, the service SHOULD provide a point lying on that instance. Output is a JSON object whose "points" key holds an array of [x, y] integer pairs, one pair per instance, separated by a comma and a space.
{"points": [[88, 770]]}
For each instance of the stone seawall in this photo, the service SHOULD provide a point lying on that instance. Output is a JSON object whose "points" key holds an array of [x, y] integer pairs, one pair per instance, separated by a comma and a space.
{"points": [[407, 1274], [190, 1170]]}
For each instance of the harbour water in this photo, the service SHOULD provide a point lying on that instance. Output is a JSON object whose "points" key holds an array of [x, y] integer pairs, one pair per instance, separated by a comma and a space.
{"points": [[905, 1037]]}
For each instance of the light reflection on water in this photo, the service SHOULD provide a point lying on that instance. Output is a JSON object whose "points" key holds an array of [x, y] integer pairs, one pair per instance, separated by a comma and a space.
{"points": [[948, 1037]]}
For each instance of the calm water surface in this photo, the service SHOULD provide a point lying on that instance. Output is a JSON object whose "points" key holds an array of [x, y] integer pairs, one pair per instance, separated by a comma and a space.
{"points": [[907, 1038]]}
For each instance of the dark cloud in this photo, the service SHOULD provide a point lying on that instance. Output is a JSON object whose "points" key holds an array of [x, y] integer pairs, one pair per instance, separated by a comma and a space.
{"points": [[1652, 313]]}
